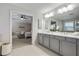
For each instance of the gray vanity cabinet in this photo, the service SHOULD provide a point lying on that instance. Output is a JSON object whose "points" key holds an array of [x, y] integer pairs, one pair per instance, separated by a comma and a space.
{"points": [[40, 38], [54, 44], [68, 47], [46, 40]]}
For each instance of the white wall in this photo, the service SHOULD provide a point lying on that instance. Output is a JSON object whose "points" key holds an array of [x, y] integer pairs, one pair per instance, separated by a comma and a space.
{"points": [[5, 21]]}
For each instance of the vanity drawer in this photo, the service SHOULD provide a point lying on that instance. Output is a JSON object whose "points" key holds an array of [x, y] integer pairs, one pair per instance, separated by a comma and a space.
{"points": [[52, 36], [73, 40], [47, 35], [59, 37]]}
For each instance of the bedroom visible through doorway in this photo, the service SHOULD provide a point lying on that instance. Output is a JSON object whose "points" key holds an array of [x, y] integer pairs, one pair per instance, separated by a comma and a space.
{"points": [[21, 30]]}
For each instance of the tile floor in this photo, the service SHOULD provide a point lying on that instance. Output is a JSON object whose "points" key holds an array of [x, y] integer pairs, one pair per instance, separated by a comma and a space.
{"points": [[23, 47]]}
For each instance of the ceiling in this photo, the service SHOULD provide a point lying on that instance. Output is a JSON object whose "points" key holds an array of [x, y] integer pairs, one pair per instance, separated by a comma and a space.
{"points": [[46, 7], [37, 7], [17, 18]]}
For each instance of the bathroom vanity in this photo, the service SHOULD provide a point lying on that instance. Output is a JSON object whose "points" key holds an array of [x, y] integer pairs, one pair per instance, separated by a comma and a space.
{"points": [[63, 44], [57, 31], [59, 37]]}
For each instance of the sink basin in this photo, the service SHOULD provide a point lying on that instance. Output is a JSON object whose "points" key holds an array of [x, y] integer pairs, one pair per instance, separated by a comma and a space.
{"points": [[75, 34]]}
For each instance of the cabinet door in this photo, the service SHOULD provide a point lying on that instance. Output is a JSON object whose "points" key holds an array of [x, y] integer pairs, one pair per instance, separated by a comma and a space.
{"points": [[40, 38], [54, 44], [78, 47], [46, 40], [67, 48]]}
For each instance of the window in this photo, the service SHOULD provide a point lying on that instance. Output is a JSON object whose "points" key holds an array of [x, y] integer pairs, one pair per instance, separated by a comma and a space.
{"points": [[69, 26]]}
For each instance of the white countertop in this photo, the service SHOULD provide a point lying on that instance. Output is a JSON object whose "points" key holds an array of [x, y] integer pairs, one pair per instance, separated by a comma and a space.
{"points": [[64, 34]]}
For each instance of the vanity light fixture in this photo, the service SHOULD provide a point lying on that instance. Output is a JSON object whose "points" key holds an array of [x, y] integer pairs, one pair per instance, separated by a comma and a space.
{"points": [[70, 7], [65, 9], [62, 10], [49, 15]]}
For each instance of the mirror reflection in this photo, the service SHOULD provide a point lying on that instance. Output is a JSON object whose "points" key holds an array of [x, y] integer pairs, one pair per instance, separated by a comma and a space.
{"points": [[65, 18]]}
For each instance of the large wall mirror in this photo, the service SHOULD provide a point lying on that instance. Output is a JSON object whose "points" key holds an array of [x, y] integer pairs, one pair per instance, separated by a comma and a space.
{"points": [[69, 26], [63, 25], [53, 26], [47, 24], [77, 25], [67, 21]]}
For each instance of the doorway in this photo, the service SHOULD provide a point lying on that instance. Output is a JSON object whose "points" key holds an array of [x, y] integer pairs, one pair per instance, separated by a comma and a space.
{"points": [[21, 30]]}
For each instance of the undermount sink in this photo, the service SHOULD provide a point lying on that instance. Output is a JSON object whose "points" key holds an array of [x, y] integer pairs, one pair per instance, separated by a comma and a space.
{"points": [[75, 34]]}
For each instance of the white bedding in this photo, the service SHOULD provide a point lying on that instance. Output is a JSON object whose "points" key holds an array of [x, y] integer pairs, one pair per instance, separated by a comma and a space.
{"points": [[27, 34]]}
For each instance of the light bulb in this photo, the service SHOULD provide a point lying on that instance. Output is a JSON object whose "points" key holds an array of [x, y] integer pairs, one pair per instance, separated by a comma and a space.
{"points": [[60, 11], [70, 7], [46, 16], [51, 14], [64, 9]]}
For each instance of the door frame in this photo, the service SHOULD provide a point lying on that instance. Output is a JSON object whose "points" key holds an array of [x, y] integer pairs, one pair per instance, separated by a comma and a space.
{"points": [[10, 14]]}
